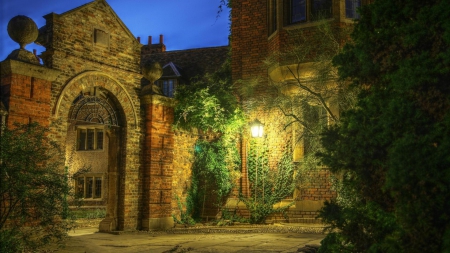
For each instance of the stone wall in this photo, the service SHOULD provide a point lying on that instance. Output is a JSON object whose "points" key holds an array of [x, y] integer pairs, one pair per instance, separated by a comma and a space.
{"points": [[184, 144], [93, 48]]}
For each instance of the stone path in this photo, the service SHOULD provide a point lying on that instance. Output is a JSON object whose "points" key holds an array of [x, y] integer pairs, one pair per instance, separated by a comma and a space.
{"points": [[215, 240]]}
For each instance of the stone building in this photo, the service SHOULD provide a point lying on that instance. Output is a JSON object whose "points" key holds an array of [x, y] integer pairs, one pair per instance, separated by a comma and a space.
{"points": [[98, 97], [107, 99]]}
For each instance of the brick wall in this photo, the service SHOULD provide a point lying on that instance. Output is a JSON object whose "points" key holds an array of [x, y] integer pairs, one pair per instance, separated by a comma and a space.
{"points": [[28, 99], [251, 44], [158, 162]]}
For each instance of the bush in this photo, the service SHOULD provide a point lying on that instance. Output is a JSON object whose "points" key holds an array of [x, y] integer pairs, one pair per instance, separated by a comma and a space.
{"points": [[33, 189]]}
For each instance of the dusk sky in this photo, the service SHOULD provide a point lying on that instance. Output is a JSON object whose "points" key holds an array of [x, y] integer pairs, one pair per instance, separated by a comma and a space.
{"points": [[185, 24]]}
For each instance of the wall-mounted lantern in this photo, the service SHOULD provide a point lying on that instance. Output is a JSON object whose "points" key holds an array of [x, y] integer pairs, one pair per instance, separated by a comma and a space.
{"points": [[257, 129]]}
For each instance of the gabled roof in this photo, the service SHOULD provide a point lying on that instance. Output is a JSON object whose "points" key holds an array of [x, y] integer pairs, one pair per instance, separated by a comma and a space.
{"points": [[190, 63], [125, 28], [171, 70]]}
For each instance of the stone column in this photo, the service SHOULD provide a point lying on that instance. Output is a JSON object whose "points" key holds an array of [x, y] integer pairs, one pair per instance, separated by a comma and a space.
{"points": [[158, 162], [26, 91], [25, 85]]}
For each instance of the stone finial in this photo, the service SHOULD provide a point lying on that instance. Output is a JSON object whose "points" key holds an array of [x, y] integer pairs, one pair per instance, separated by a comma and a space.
{"points": [[22, 30], [152, 71]]}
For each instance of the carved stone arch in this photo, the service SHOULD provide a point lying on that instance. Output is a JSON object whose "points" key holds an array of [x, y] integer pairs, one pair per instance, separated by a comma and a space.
{"points": [[92, 79], [88, 101], [93, 109]]}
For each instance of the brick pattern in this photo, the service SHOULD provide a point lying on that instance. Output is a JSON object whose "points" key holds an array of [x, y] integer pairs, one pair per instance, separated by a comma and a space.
{"points": [[158, 161], [318, 188], [295, 217], [251, 44], [28, 99], [115, 68], [184, 143]]}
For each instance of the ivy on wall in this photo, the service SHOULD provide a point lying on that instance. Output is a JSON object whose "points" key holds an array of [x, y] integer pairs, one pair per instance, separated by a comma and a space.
{"points": [[215, 170], [209, 106], [268, 186]]}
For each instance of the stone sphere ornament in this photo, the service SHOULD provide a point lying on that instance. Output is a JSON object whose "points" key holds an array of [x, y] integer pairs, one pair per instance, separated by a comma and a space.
{"points": [[22, 30]]}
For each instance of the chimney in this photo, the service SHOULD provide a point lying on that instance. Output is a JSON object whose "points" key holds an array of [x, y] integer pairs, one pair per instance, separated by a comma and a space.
{"points": [[161, 39], [149, 40], [139, 39]]}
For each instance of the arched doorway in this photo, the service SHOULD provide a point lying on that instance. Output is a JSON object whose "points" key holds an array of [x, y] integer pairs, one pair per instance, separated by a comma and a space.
{"points": [[98, 123], [93, 145]]}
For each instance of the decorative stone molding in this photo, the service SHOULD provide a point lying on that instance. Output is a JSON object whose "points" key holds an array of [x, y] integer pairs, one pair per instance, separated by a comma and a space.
{"points": [[91, 79], [28, 69]]}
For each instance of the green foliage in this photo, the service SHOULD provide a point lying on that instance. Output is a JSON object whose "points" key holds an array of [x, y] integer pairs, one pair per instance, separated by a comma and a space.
{"points": [[231, 217], [91, 213], [267, 186], [33, 189], [392, 149], [214, 172], [208, 104], [185, 214]]}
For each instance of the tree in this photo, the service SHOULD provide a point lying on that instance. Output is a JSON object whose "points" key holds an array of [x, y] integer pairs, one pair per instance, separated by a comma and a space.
{"points": [[33, 189], [392, 149]]}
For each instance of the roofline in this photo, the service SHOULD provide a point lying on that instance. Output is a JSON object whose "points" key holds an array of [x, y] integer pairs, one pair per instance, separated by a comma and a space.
{"points": [[191, 49], [111, 10]]}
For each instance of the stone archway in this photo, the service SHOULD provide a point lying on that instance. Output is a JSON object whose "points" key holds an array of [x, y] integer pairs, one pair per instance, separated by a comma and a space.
{"points": [[97, 102]]}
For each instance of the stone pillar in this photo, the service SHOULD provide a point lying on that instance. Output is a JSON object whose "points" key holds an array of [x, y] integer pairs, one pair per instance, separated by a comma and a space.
{"points": [[26, 91], [158, 162]]}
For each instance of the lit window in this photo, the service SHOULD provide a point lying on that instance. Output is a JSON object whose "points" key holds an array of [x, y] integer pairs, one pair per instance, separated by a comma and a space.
{"points": [[167, 87], [307, 10], [89, 186], [351, 8], [90, 139]]}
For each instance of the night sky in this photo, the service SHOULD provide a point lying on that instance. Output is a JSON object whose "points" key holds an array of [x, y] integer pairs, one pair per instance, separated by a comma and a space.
{"points": [[185, 24]]}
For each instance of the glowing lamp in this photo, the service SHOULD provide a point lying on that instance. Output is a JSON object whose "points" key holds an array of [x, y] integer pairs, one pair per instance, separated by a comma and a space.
{"points": [[257, 129]]}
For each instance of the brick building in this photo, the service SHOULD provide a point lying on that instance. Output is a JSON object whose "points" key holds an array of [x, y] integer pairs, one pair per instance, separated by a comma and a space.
{"points": [[95, 89], [264, 29]]}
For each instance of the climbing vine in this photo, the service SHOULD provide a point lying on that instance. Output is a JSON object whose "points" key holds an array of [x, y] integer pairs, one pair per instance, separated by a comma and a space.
{"points": [[268, 186], [209, 106], [215, 170]]}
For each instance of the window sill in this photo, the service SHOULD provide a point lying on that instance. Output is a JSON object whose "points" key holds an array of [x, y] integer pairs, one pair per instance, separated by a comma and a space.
{"points": [[272, 35], [304, 24], [91, 199]]}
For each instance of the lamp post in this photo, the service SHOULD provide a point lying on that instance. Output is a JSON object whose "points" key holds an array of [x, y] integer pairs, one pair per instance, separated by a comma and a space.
{"points": [[257, 131]]}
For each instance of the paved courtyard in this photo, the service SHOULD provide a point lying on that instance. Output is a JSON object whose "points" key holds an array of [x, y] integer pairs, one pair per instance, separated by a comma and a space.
{"points": [[244, 239]]}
